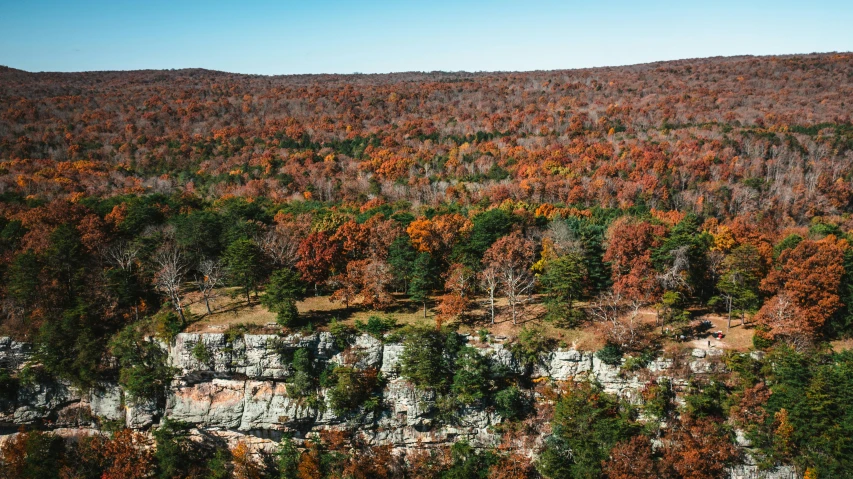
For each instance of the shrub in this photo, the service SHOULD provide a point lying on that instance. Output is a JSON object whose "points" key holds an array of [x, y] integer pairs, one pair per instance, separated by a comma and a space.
{"points": [[427, 359], [167, 324], [530, 345], [143, 370], [376, 326], [350, 388], [344, 335], [470, 381], [509, 403], [610, 354], [202, 353], [302, 382]]}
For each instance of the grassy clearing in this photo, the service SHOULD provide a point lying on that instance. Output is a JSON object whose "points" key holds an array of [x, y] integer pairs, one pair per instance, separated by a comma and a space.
{"points": [[230, 308]]}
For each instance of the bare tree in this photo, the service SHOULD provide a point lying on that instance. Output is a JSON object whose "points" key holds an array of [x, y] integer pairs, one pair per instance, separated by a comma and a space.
{"points": [[489, 283], [563, 239], [170, 275], [675, 277], [512, 256], [280, 246], [212, 276], [620, 317], [121, 255]]}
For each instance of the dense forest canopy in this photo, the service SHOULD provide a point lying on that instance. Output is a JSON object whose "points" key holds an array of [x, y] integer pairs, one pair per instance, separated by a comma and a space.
{"points": [[572, 198]]}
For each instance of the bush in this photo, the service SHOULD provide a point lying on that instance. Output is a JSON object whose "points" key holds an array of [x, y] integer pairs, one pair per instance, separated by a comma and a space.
{"points": [[167, 324], [376, 326], [610, 354], [302, 383], [427, 359], [470, 382], [530, 345], [350, 388], [202, 353], [143, 370], [509, 403], [344, 335]]}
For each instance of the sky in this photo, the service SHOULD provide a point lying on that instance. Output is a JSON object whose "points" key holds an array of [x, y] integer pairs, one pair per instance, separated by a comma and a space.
{"points": [[326, 36]]}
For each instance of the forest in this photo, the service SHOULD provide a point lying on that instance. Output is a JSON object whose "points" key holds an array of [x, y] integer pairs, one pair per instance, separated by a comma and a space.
{"points": [[611, 208]]}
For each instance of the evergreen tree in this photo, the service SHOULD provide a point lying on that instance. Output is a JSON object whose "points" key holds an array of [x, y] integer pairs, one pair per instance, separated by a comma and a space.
{"points": [[401, 257], [423, 279], [564, 281], [242, 260], [282, 292]]}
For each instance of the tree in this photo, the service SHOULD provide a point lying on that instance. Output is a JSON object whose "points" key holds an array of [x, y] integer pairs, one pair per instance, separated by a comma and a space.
{"points": [[422, 279], [697, 449], [587, 424], [284, 289], [401, 258], [280, 245], [739, 280], [318, 257], [629, 246], [486, 228], [245, 467], [176, 455], [809, 276], [427, 358], [369, 279], [632, 459], [512, 257], [242, 263], [564, 282], [143, 368], [287, 458], [171, 269], [470, 380], [489, 281], [127, 455], [212, 276], [623, 325], [32, 455]]}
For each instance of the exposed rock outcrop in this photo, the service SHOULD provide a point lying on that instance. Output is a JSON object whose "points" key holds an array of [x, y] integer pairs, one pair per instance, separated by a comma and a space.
{"points": [[237, 389]]}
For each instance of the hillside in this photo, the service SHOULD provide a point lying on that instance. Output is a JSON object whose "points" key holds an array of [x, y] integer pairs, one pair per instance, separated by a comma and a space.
{"points": [[477, 230]]}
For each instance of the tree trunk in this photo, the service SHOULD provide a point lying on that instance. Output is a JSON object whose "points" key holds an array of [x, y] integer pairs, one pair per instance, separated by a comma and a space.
{"points": [[729, 326], [492, 307], [207, 304], [424, 309]]}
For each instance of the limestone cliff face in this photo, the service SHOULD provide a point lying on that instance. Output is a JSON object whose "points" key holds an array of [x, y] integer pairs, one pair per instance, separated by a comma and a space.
{"points": [[240, 392]]}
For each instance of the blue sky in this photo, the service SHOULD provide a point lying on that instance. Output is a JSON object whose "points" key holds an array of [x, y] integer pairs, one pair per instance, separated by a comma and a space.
{"points": [[325, 36]]}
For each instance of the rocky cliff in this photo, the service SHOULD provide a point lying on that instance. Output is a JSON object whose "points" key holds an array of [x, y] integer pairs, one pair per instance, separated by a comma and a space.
{"points": [[238, 390]]}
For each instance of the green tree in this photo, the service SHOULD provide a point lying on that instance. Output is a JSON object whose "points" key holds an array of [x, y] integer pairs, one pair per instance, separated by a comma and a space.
{"points": [[283, 290], [587, 424], [71, 345], [739, 281], [22, 278], [287, 459], [401, 258], [428, 357], [423, 279], [177, 456], [143, 369], [487, 228], [564, 281], [471, 377], [242, 261], [33, 455]]}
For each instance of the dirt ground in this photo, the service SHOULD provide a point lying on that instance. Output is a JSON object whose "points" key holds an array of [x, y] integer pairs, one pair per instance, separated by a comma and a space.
{"points": [[736, 338], [230, 308]]}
